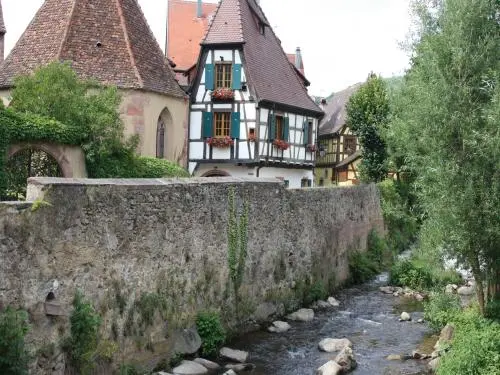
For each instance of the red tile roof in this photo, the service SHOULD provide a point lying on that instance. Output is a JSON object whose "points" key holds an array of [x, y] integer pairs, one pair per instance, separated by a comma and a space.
{"points": [[270, 73], [107, 40], [291, 58], [186, 31], [226, 26]]}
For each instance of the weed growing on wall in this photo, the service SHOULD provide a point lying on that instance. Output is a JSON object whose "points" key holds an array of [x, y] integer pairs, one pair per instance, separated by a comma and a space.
{"points": [[84, 340], [363, 266], [211, 331], [237, 238], [13, 354]]}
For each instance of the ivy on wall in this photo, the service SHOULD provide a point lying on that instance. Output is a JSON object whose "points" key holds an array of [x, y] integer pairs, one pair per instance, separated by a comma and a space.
{"points": [[17, 127]]}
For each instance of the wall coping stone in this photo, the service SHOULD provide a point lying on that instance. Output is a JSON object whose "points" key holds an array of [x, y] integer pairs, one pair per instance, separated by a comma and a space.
{"points": [[47, 181]]}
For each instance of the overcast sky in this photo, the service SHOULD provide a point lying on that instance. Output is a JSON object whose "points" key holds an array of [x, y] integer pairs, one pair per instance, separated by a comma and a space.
{"points": [[341, 40]]}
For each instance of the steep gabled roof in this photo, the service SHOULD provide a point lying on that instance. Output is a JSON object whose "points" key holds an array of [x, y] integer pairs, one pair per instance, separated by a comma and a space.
{"points": [[186, 30], [226, 26], [292, 58], [271, 75], [336, 112], [107, 40], [3, 30]]}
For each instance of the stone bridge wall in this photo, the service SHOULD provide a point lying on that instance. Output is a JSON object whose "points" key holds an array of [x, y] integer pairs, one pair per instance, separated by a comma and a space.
{"points": [[118, 239]]}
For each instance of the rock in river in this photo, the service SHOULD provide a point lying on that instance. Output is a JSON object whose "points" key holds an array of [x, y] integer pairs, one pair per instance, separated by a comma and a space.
{"points": [[235, 355], [333, 345], [302, 315], [279, 327], [405, 317], [208, 364], [329, 368], [332, 301], [190, 368]]}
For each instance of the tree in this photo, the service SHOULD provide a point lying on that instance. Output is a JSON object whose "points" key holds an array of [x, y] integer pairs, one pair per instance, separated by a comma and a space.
{"points": [[367, 114], [14, 356], [447, 121], [56, 92]]}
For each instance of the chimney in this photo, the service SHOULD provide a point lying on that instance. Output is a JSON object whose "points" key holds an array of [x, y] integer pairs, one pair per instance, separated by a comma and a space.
{"points": [[323, 104], [199, 11], [3, 30], [298, 58]]}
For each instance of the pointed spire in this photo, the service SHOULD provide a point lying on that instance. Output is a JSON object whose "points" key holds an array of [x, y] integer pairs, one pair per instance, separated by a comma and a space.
{"points": [[111, 42], [3, 31]]}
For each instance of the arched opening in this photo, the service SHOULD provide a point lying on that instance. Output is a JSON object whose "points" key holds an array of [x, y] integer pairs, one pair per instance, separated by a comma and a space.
{"points": [[164, 123], [216, 173], [50, 297], [25, 163]]}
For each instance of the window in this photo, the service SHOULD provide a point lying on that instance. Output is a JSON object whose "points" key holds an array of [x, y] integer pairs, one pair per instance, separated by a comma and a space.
{"points": [[342, 174], [287, 183], [222, 121], [349, 145], [160, 139], [280, 124], [321, 181], [310, 132], [223, 75], [305, 182]]}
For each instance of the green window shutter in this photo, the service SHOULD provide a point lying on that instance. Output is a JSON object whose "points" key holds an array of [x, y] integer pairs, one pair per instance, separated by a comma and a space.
{"points": [[235, 125], [272, 126], [236, 76], [286, 129], [306, 132], [208, 125], [209, 76]]}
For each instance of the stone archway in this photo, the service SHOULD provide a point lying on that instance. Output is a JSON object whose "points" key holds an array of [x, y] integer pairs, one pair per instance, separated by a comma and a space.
{"points": [[163, 125], [71, 159], [216, 173]]}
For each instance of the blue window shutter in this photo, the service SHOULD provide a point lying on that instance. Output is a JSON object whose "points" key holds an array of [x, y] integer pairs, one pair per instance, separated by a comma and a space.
{"points": [[306, 132], [209, 76], [286, 129], [208, 122], [236, 76], [235, 125], [272, 126]]}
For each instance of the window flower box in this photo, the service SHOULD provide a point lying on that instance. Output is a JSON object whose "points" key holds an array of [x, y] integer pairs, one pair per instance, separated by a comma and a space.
{"points": [[311, 148], [223, 142], [281, 144], [222, 94]]}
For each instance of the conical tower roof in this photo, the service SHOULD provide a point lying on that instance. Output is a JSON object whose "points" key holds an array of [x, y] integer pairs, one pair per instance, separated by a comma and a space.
{"points": [[270, 74], [106, 40]]}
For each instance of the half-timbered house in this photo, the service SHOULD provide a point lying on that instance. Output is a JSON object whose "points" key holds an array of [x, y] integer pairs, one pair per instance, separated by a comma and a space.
{"points": [[250, 112], [339, 152]]}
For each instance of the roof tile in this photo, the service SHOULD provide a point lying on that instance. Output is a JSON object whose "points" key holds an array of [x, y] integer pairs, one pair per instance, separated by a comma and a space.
{"points": [[336, 112], [107, 40]]}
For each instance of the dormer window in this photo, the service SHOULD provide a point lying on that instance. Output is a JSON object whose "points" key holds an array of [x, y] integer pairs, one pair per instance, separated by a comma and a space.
{"points": [[262, 28], [223, 75]]}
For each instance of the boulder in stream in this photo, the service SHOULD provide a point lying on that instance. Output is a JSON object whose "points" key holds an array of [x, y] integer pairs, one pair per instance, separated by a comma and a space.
{"points": [[302, 315], [405, 317], [208, 364], [387, 289], [234, 355], [329, 368], [230, 372], [333, 302], [190, 368], [333, 345], [279, 327], [466, 290], [346, 359]]}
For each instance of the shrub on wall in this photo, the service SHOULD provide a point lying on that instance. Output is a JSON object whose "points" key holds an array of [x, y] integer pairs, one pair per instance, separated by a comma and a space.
{"points": [[13, 354], [211, 331], [54, 105]]}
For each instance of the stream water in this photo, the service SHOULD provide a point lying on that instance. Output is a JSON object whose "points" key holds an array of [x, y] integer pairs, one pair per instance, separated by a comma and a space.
{"points": [[366, 316]]}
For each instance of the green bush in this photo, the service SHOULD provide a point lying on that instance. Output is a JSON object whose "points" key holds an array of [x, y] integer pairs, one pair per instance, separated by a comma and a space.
{"points": [[364, 266], [407, 273], [13, 354], [475, 349], [148, 167], [211, 331], [318, 291], [493, 310], [84, 340], [397, 209], [441, 309]]}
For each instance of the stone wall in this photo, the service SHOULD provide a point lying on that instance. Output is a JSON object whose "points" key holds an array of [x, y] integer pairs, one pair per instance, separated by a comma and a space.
{"points": [[123, 240]]}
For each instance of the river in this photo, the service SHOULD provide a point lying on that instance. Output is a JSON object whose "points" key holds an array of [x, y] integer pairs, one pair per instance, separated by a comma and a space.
{"points": [[366, 316]]}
